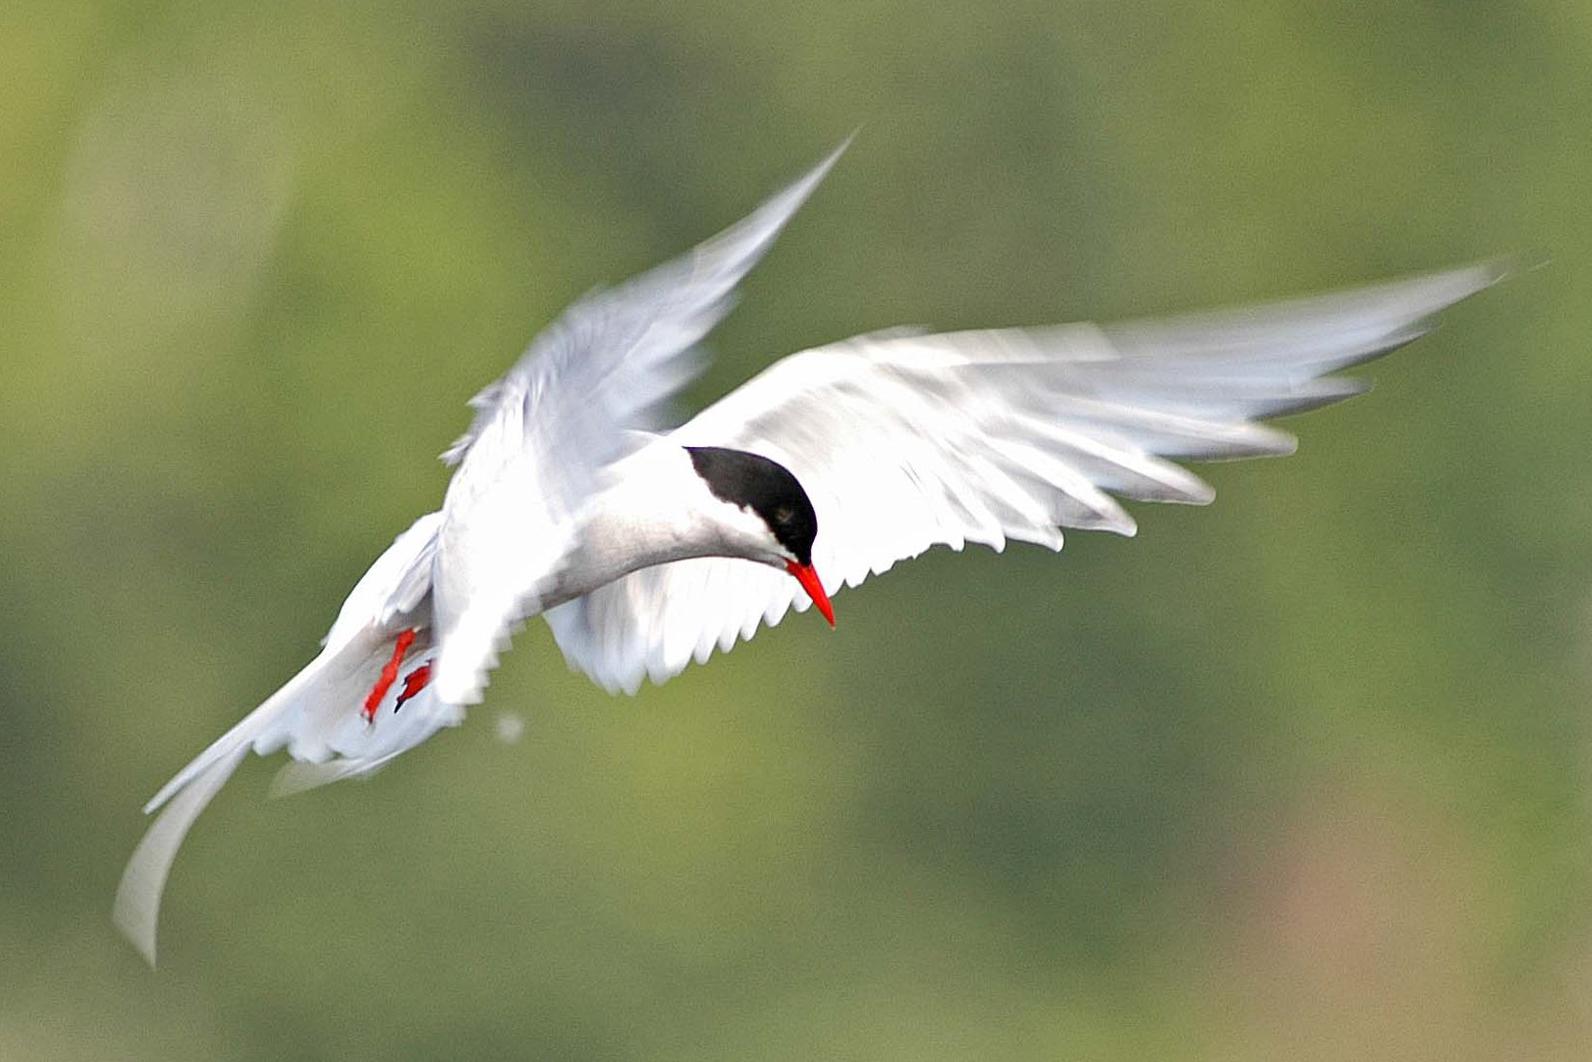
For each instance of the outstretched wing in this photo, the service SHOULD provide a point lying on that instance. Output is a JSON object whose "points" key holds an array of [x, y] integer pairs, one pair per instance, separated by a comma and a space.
{"points": [[543, 433], [907, 441]]}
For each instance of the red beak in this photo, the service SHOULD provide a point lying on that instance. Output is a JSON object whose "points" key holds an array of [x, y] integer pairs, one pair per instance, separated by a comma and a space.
{"points": [[809, 579]]}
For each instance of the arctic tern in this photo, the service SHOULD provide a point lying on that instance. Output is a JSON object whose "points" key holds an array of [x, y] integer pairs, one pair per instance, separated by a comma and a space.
{"points": [[645, 550]]}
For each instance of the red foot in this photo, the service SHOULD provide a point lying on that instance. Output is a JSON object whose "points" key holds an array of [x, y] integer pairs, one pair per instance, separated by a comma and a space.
{"points": [[414, 682], [389, 675]]}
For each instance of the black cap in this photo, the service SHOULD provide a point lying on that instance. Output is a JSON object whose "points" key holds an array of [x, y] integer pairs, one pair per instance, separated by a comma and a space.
{"points": [[767, 488]]}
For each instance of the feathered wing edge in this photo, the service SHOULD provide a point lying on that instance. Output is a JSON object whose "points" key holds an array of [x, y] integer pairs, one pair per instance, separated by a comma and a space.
{"points": [[687, 295], [544, 433], [1081, 412]]}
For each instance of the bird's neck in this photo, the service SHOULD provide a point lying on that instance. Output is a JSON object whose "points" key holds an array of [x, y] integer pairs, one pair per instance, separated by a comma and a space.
{"points": [[656, 511]]}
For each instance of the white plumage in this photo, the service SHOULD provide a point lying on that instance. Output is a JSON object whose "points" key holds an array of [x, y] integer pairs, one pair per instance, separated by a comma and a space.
{"points": [[907, 441], [566, 501], [544, 432]]}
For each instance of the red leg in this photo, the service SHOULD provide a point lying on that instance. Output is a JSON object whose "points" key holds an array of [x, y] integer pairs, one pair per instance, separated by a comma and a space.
{"points": [[389, 675], [414, 682]]}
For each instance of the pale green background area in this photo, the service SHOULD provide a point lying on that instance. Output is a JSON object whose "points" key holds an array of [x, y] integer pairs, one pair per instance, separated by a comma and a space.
{"points": [[1301, 775]]}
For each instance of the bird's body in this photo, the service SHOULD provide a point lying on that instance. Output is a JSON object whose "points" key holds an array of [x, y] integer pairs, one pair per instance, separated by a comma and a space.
{"points": [[646, 549]]}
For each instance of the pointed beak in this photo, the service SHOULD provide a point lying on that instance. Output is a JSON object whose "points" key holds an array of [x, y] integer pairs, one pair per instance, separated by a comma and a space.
{"points": [[809, 579]]}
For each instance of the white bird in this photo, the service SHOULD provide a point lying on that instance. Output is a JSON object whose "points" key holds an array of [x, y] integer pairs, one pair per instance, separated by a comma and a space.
{"points": [[646, 550]]}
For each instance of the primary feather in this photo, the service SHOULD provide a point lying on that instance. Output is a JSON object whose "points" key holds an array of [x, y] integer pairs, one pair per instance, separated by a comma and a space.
{"points": [[545, 432], [906, 441]]}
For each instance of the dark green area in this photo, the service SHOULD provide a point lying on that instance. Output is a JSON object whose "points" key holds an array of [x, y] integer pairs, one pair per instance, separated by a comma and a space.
{"points": [[1301, 775]]}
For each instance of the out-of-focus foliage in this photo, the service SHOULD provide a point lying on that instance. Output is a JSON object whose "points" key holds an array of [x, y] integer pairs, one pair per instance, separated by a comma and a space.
{"points": [[1303, 775]]}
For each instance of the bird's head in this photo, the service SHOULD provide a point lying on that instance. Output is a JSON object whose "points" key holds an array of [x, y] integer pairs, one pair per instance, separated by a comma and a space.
{"points": [[783, 524]]}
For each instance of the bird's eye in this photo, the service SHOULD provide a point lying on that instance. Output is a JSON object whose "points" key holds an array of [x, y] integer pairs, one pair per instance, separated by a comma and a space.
{"points": [[784, 514]]}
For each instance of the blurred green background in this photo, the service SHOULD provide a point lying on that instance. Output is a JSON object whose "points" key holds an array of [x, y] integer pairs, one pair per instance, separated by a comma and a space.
{"points": [[1302, 775]]}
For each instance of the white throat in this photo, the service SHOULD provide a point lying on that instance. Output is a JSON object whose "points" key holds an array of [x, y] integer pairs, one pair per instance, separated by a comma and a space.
{"points": [[658, 510]]}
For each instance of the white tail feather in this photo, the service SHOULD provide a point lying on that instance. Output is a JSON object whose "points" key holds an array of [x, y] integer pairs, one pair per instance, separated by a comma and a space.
{"points": [[137, 909]]}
